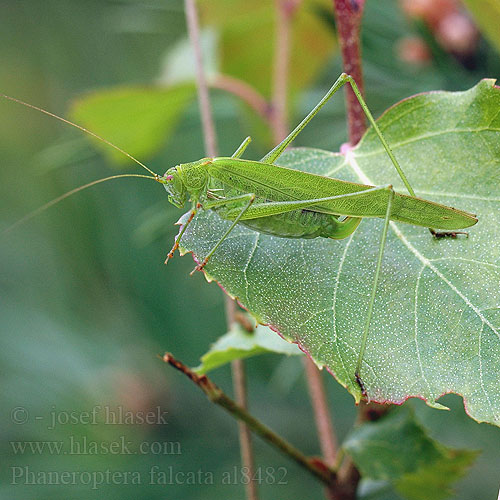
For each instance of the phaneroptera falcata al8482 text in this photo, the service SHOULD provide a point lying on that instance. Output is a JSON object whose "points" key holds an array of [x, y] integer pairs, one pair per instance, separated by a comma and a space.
{"points": [[293, 204]]}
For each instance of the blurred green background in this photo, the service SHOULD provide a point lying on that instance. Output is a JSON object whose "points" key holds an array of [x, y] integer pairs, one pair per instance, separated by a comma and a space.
{"points": [[86, 303]]}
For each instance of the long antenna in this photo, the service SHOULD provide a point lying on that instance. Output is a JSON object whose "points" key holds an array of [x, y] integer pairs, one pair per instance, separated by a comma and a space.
{"points": [[41, 209], [83, 129]]}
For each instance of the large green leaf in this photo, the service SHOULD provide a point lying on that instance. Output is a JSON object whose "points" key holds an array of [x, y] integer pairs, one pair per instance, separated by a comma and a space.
{"points": [[436, 321], [397, 449]]}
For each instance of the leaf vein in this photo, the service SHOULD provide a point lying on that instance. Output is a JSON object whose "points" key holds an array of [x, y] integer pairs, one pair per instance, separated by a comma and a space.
{"points": [[415, 310], [427, 136], [463, 259]]}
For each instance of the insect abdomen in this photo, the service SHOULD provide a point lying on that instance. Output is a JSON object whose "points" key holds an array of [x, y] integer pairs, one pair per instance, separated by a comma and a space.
{"points": [[295, 224]]}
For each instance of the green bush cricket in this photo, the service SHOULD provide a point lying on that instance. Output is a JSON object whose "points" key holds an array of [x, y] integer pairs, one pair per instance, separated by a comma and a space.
{"points": [[293, 204]]}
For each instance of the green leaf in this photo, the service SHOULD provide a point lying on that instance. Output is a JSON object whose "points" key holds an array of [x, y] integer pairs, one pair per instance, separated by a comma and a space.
{"points": [[397, 449], [136, 119], [487, 15], [239, 344], [436, 321], [246, 29]]}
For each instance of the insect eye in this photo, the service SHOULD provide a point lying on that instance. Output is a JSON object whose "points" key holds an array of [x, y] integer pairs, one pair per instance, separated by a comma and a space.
{"points": [[169, 177]]}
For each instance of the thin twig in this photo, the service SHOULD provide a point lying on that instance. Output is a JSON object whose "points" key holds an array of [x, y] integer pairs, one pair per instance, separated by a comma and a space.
{"points": [[240, 390], [203, 97], [313, 465], [280, 76], [246, 93], [285, 10], [246, 447], [348, 14], [322, 415], [210, 137]]}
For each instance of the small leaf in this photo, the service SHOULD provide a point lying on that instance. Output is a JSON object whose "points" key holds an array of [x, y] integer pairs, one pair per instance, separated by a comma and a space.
{"points": [[239, 344], [397, 449], [436, 321], [136, 119]]}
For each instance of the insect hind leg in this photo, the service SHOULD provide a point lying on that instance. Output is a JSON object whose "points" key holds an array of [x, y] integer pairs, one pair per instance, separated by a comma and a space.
{"points": [[357, 373]]}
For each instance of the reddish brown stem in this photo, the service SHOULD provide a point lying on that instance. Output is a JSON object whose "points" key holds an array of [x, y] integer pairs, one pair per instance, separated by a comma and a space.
{"points": [[348, 14], [246, 448], [349, 477], [280, 77], [285, 10], [209, 134], [322, 415]]}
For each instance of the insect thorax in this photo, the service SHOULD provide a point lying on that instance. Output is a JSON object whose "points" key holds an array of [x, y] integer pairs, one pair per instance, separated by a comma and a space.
{"points": [[195, 176]]}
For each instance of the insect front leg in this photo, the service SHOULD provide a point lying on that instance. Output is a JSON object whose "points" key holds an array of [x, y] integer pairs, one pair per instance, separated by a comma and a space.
{"points": [[192, 214], [250, 197], [357, 372]]}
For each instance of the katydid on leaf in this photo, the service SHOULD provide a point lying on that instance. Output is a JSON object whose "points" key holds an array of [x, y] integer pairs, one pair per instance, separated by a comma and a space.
{"points": [[290, 203]]}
